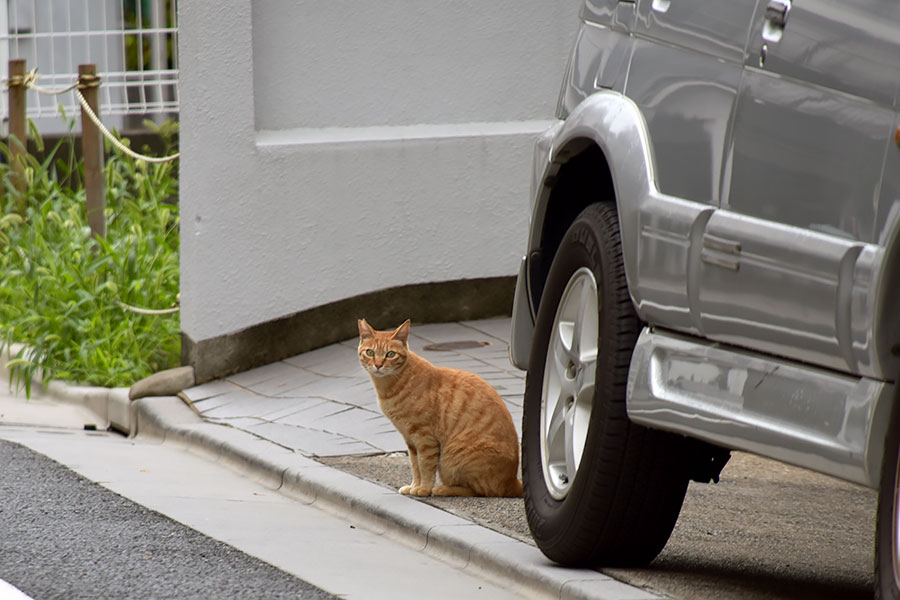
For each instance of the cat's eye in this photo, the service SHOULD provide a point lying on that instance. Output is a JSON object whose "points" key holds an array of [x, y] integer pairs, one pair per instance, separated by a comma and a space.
{"points": [[370, 352], [390, 354]]}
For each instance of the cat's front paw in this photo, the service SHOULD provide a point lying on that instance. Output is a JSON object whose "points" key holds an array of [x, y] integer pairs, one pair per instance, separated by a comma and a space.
{"points": [[415, 490], [420, 490]]}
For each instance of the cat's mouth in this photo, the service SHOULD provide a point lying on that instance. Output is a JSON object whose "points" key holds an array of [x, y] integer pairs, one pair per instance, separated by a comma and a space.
{"points": [[376, 372]]}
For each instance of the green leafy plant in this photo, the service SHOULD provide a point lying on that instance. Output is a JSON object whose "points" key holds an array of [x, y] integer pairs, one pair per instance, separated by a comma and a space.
{"points": [[65, 295]]}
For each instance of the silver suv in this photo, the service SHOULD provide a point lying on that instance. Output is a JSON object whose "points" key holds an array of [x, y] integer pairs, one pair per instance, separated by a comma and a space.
{"points": [[713, 264]]}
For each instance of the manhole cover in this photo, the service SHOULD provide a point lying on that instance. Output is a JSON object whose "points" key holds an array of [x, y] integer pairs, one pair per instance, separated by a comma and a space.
{"points": [[460, 345]]}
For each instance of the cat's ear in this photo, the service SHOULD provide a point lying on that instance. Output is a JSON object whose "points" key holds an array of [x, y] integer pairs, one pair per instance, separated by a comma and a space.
{"points": [[402, 332], [365, 330]]}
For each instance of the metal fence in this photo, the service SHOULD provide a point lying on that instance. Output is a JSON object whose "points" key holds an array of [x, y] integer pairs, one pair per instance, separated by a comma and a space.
{"points": [[133, 43]]}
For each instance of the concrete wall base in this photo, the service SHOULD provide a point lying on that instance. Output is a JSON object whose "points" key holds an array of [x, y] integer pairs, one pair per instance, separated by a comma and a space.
{"points": [[271, 341]]}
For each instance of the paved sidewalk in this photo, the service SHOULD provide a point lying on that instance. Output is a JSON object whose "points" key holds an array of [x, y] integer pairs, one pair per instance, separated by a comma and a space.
{"points": [[303, 426], [322, 403], [272, 422]]}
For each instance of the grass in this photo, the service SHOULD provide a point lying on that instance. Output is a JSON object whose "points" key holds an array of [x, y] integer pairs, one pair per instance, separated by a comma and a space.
{"points": [[62, 290]]}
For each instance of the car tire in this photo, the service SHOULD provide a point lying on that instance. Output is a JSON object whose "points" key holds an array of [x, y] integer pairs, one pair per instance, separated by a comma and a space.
{"points": [[599, 490], [887, 528]]}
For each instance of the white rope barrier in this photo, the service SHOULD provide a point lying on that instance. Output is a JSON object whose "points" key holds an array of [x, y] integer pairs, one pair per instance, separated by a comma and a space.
{"points": [[29, 80], [114, 140], [147, 311]]}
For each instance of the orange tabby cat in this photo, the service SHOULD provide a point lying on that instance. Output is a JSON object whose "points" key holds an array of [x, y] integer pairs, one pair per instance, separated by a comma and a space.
{"points": [[453, 421]]}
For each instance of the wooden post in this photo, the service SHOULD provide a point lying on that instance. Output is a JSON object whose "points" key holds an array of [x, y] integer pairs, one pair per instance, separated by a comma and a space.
{"points": [[92, 151], [17, 137]]}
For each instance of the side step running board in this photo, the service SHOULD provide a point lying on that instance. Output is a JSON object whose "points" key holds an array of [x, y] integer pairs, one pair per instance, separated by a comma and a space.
{"points": [[814, 418]]}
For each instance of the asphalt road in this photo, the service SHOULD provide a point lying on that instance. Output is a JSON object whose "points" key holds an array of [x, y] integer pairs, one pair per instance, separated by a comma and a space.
{"points": [[765, 531], [66, 537]]}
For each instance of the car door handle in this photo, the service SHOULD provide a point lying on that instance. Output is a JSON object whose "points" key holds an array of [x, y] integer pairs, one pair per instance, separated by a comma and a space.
{"points": [[777, 11], [776, 18]]}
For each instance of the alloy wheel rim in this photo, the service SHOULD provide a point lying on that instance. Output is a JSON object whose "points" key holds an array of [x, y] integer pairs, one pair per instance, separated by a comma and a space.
{"points": [[567, 397]]}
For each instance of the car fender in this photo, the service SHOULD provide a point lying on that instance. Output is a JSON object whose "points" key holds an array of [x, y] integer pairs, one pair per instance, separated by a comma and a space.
{"points": [[613, 123]]}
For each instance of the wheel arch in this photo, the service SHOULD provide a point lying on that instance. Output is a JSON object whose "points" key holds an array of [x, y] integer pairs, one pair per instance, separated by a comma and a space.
{"points": [[601, 152], [578, 177]]}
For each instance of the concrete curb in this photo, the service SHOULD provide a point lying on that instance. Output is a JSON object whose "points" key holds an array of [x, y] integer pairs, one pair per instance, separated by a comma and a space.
{"points": [[429, 529], [455, 540], [112, 406]]}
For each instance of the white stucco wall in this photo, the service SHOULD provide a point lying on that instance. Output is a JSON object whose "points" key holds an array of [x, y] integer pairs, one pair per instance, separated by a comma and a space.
{"points": [[332, 148]]}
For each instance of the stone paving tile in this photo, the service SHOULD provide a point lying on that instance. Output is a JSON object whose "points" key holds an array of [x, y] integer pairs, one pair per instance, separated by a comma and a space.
{"points": [[336, 359], [311, 442], [511, 405], [350, 446], [417, 344], [499, 356], [236, 395], [295, 405], [493, 353], [326, 387], [497, 347], [207, 403], [497, 328], [293, 379], [388, 441], [509, 373], [487, 371], [510, 377], [449, 332], [493, 346], [512, 395], [495, 376], [501, 365], [357, 423], [445, 332], [276, 370], [514, 400], [243, 423], [458, 361], [308, 416], [498, 353], [361, 394], [246, 406], [461, 363], [507, 385], [208, 390]]}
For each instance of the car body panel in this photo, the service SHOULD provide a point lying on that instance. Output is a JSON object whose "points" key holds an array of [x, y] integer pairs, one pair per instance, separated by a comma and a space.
{"points": [[685, 74], [677, 255], [758, 195], [811, 130], [810, 417]]}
